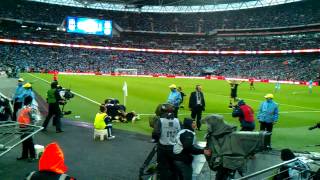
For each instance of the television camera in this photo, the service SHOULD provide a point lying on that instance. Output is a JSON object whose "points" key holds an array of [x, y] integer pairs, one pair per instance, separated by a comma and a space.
{"points": [[231, 149], [65, 95]]}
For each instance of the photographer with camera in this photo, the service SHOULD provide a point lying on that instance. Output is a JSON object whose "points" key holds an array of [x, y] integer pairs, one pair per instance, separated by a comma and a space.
{"points": [[166, 127], [245, 114], [185, 148], [53, 99]]}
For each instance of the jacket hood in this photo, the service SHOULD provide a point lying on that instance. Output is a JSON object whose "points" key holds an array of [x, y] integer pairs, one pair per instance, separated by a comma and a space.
{"points": [[217, 126], [52, 159]]}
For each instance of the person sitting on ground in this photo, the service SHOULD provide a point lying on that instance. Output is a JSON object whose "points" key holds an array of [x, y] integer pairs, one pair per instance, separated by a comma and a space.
{"points": [[103, 121], [51, 165], [185, 148]]}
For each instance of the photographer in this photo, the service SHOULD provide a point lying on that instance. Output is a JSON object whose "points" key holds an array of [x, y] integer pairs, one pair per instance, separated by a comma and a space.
{"points": [[164, 132], [246, 116], [185, 148], [53, 99]]}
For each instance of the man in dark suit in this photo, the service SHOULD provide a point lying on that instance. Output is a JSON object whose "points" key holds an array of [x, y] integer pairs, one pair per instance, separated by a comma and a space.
{"points": [[197, 105]]}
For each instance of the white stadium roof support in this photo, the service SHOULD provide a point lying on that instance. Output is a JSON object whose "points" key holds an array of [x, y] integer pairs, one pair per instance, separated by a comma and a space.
{"points": [[170, 9]]}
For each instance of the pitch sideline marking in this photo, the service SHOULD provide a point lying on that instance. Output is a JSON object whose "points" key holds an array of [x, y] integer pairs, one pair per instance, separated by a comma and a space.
{"points": [[278, 103], [86, 98], [95, 102]]}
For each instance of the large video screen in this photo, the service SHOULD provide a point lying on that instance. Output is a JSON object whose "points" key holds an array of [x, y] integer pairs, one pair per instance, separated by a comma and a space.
{"points": [[89, 26]]}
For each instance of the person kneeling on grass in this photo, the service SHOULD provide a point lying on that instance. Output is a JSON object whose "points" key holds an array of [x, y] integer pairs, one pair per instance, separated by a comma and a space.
{"points": [[103, 121]]}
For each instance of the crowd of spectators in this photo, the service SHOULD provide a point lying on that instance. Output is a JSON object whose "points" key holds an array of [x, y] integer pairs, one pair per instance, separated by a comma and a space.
{"points": [[42, 58], [309, 40], [291, 14]]}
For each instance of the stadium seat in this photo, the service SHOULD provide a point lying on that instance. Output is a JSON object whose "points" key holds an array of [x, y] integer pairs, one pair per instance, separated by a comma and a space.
{"points": [[101, 133], [39, 150]]}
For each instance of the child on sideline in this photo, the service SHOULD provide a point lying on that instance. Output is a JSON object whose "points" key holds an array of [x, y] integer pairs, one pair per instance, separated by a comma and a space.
{"points": [[103, 121]]}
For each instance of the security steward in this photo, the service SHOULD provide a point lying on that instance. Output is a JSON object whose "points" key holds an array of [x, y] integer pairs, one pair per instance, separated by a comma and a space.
{"points": [[165, 130], [26, 117], [53, 99]]}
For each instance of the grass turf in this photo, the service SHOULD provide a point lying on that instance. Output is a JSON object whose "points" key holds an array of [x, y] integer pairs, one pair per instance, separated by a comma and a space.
{"points": [[298, 109]]}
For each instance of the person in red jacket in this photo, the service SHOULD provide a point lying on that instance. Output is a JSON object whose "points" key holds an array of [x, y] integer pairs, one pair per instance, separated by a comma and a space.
{"points": [[51, 165], [246, 116]]}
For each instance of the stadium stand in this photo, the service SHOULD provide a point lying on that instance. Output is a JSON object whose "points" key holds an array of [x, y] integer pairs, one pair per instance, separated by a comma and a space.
{"points": [[286, 67]]}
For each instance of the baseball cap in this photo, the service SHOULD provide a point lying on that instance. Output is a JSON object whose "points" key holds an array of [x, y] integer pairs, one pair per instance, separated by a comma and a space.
{"points": [[173, 86], [27, 85], [268, 96]]}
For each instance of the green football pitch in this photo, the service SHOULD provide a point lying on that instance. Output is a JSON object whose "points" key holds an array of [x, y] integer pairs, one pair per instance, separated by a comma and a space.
{"points": [[298, 109]]}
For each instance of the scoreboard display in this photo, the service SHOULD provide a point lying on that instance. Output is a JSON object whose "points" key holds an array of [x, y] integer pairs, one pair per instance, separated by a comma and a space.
{"points": [[89, 26]]}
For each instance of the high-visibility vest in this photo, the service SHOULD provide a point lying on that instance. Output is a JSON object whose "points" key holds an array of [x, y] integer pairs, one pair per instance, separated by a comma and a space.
{"points": [[24, 116], [99, 121], [247, 113]]}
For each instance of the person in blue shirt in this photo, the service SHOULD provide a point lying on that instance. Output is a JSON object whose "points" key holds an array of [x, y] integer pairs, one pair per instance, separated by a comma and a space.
{"points": [[29, 92], [174, 99], [310, 83], [17, 98], [268, 113]]}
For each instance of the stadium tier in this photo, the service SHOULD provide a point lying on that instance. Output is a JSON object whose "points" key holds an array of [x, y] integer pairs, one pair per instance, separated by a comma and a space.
{"points": [[41, 59]]}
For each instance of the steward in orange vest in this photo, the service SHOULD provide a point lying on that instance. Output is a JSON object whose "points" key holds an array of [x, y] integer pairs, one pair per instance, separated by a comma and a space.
{"points": [[25, 117]]}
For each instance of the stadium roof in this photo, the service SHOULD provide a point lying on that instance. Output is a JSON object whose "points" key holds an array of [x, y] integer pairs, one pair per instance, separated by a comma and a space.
{"points": [[168, 6]]}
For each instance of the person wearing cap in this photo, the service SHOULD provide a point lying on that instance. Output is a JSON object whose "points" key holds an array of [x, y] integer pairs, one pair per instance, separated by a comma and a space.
{"points": [[185, 148], [51, 165], [174, 99], [17, 98], [246, 116], [29, 92], [197, 105], [53, 98], [268, 113]]}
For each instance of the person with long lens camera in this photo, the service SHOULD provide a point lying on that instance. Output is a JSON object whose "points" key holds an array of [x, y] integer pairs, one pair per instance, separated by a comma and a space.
{"points": [[165, 130], [53, 99]]}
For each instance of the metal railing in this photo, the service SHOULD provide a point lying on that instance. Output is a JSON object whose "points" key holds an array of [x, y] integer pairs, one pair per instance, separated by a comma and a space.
{"points": [[10, 135]]}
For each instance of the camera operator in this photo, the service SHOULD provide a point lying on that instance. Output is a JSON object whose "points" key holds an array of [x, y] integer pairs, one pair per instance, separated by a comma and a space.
{"points": [[53, 99], [246, 116], [164, 132]]}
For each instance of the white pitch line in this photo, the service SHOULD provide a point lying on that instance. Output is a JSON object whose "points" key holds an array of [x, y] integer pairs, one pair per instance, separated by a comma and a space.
{"points": [[84, 97], [278, 103], [284, 112]]}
